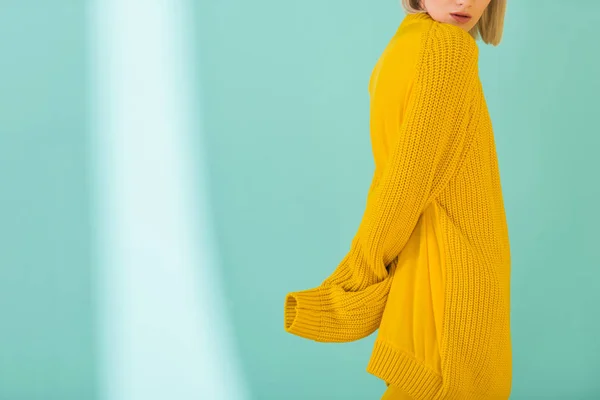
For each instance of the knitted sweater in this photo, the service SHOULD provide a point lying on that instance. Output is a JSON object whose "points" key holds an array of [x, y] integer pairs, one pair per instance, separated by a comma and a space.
{"points": [[430, 262]]}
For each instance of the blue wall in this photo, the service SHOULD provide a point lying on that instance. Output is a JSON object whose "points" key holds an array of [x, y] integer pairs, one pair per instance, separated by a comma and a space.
{"points": [[285, 88], [285, 114], [46, 303]]}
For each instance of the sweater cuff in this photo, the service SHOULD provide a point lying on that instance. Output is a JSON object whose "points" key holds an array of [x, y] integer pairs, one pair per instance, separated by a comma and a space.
{"points": [[303, 312]]}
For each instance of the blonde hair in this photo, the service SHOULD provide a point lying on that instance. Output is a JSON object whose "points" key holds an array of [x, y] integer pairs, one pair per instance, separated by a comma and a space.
{"points": [[489, 27]]}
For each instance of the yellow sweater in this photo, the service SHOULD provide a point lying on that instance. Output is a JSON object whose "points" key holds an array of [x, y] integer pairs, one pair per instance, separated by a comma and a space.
{"points": [[430, 262]]}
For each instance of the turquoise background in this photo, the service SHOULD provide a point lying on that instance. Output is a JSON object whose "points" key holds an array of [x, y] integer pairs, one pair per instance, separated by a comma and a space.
{"points": [[47, 328], [285, 120], [291, 165]]}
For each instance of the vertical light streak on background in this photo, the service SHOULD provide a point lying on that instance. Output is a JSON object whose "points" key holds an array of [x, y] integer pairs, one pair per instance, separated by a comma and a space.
{"points": [[162, 332]]}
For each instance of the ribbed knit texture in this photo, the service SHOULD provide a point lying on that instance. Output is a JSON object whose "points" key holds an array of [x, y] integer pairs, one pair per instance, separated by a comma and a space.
{"points": [[435, 204]]}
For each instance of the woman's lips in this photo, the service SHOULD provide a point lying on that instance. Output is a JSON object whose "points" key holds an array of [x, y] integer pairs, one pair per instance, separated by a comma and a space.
{"points": [[460, 18]]}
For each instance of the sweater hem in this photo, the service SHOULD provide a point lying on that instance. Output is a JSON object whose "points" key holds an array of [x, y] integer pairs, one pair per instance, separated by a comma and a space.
{"points": [[399, 368]]}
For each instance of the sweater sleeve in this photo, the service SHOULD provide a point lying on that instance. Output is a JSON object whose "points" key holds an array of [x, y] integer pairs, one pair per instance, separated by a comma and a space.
{"points": [[429, 143]]}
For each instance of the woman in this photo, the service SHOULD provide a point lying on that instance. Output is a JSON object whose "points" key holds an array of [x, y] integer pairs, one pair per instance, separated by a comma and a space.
{"points": [[430, 262]]}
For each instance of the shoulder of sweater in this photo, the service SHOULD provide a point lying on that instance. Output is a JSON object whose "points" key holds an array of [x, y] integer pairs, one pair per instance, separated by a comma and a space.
{"points": [[451, 43], [442, 43]]}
